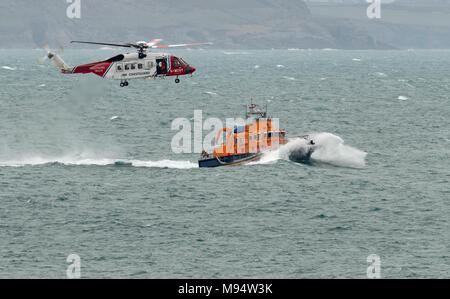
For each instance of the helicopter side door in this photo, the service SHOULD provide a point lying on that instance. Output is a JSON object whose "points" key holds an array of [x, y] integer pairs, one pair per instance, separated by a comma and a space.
{"points": [[161, 66]]}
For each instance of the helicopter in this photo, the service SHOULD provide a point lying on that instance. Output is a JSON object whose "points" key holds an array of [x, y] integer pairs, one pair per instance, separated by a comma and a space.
{"points": [[130, 66]]}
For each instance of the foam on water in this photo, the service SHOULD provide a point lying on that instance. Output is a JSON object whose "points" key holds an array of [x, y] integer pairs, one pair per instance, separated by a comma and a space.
{"points": [[5, 67], [329, 149], [105, 48], [235, 53], [165, 164], [83, 161], [380, 74]]}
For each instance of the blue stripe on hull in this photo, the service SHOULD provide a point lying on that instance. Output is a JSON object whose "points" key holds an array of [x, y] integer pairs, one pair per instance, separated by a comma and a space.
{"points": [[208, 163], [228, 160]]}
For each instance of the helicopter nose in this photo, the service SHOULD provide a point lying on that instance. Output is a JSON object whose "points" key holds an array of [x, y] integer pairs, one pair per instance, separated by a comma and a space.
{"points": [[190, 69]]}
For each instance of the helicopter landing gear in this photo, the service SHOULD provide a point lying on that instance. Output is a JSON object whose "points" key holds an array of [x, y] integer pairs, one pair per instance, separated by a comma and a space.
{"points": [[177, 80], [123, 83]]}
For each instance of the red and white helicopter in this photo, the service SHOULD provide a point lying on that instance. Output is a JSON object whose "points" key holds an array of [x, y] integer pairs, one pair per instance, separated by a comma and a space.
{"points": [[129, 66]]}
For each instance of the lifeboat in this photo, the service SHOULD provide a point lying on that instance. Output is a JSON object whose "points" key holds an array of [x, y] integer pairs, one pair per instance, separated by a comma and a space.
{"points": [[244, 144]]}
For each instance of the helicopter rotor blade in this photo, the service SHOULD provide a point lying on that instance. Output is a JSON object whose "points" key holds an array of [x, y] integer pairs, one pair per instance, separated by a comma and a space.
{"points": [[179, 45], [153, 42], [105, 44]]}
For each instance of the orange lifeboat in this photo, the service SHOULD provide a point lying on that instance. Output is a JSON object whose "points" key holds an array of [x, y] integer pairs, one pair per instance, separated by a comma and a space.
{"points": [[246, 143]]}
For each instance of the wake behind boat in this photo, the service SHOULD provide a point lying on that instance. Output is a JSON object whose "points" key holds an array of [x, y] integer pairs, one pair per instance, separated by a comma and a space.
{"points": [[248, 143]]}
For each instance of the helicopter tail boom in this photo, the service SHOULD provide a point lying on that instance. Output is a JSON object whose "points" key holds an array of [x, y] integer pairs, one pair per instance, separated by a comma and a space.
{"points": [[59, 62]]}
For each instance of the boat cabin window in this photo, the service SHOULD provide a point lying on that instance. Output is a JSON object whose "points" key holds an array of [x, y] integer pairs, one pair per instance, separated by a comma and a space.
{"points": [[119, 67], [140, 66], [270, 134]]}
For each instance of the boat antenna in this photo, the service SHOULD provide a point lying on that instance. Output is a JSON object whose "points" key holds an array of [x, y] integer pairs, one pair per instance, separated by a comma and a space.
{"points": [[246, 108]]}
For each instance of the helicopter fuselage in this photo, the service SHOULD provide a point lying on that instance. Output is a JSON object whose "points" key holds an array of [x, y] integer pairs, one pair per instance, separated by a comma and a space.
{"points": [[129, 66]]}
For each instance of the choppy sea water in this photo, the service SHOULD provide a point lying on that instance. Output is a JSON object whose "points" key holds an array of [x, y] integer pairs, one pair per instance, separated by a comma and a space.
{"points": [[380, 184]]}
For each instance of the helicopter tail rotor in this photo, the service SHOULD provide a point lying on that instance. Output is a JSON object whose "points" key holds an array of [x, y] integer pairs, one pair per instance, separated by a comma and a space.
{"points": [[54, 56]]}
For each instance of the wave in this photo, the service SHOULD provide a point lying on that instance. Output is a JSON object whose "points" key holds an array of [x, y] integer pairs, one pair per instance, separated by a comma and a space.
{"points": [[76, 161], [235, 53], [330, 149], [380, 74], [5, 67], [106, 48]]}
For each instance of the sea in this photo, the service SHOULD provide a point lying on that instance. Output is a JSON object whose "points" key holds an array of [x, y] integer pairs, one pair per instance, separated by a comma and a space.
{"points": [[87, 168]]}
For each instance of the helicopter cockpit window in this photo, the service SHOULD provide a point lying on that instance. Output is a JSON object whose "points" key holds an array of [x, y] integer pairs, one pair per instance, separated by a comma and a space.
{"points": [[182, 61], [176, 62]]}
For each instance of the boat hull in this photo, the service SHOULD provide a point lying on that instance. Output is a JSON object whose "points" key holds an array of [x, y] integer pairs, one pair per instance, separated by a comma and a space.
{"points": [[301, 155], [230, 160]]}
